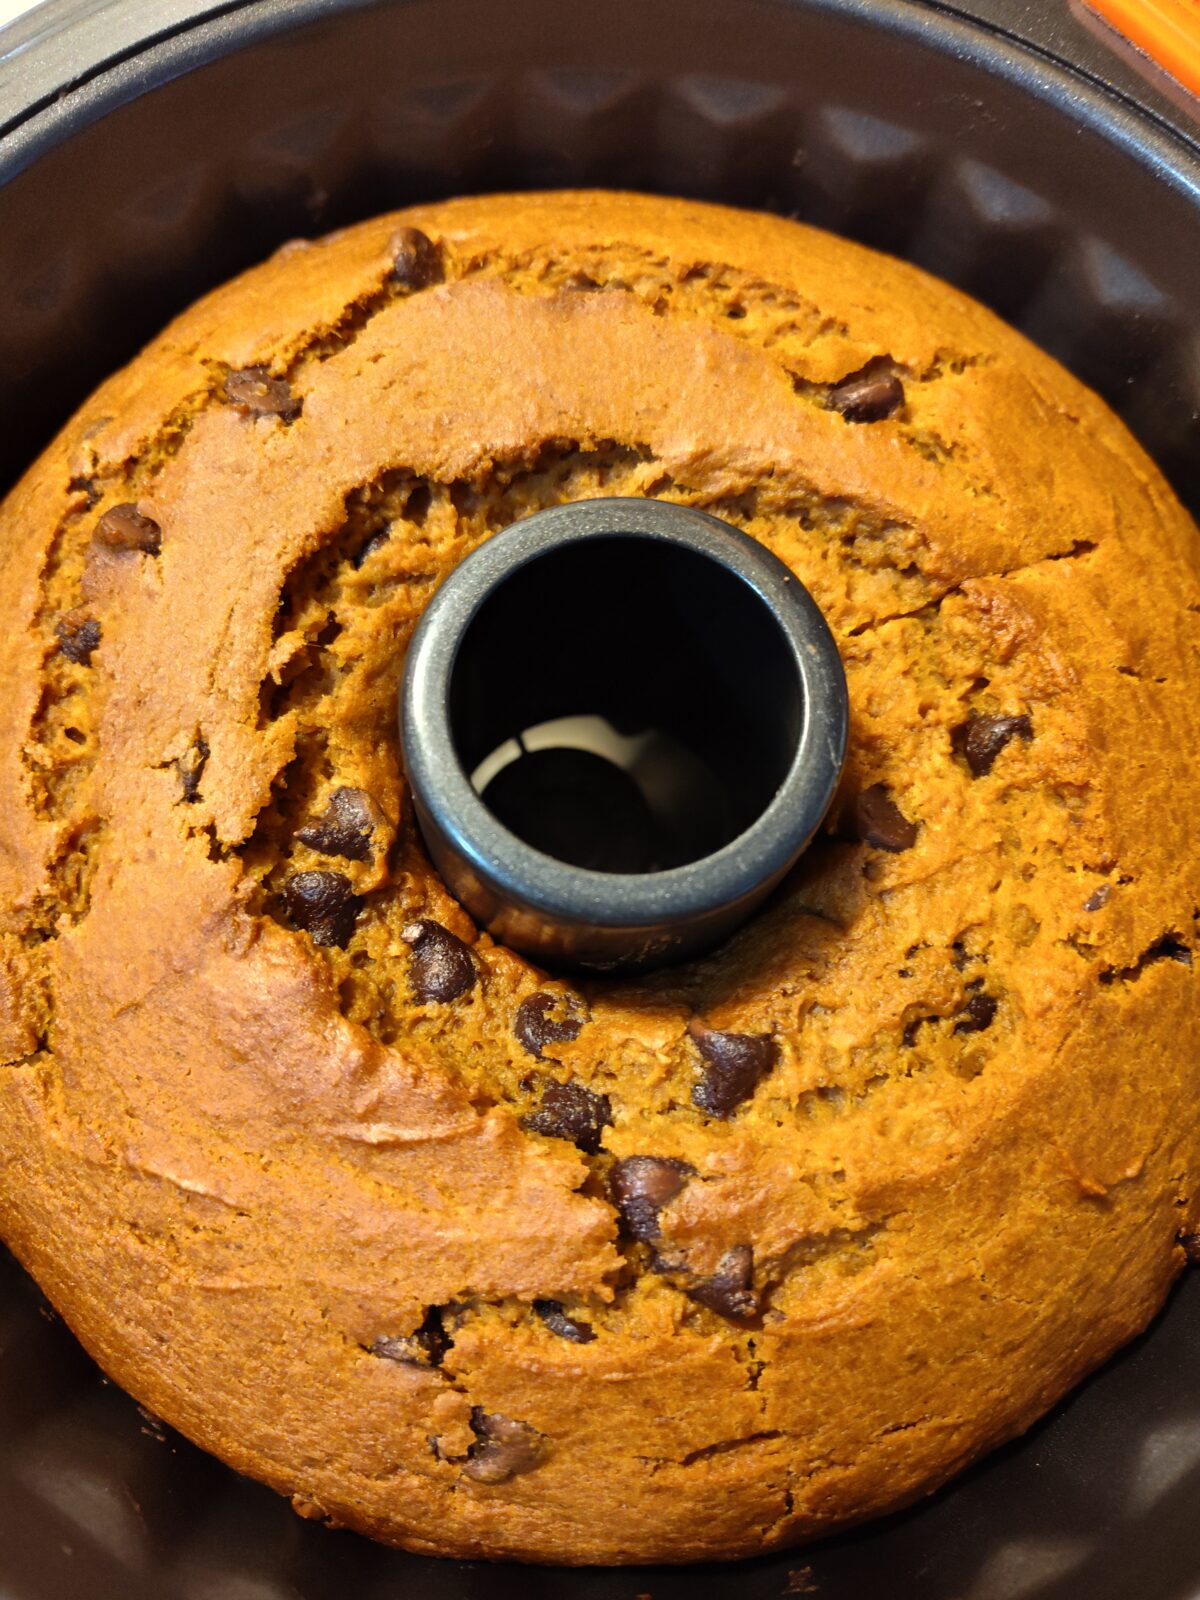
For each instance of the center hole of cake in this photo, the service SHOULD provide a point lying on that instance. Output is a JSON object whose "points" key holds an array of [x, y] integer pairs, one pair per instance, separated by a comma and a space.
{"points": [[625, 704]]}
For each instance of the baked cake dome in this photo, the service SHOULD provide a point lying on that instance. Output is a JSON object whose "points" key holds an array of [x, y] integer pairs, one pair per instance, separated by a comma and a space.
{"points": [[482, 1259]]}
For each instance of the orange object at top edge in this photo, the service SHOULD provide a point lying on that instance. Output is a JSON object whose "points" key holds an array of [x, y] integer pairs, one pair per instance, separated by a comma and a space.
{"points": [[1167, 30]]}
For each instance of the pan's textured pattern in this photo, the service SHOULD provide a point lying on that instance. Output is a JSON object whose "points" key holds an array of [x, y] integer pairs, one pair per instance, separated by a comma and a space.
{"points": [[463, 1255]]}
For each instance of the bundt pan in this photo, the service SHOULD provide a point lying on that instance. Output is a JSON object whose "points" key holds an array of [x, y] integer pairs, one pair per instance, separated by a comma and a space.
{"points": [[149, 151]]}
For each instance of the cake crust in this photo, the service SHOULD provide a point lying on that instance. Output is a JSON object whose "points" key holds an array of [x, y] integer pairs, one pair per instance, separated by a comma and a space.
{"points": [[482, 1260]]}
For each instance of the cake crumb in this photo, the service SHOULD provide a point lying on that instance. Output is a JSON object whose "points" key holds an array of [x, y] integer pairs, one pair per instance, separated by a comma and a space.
{"points": [[800, 1581]]}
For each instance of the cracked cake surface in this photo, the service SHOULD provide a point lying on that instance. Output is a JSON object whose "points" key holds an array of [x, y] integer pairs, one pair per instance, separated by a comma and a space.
{"points": [[486, 1260]]}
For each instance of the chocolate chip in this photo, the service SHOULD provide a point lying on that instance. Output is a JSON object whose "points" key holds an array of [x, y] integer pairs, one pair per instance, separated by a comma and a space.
{"points": [[1191, 1247], [1168, 948], [569, 1111], [345, 826], [641, 1186], [255, 393], [978, 1013], [867, 396], [913, 1027], [323, 904], [375, 542], [86, 486], [544, 1019], [442, 967], [416, 260], [124, 528], [502, 1449], [1098, 898], [729, 1292], [190, 767], [426, 1346], [980, 739], [556, 1319], [735, 1065], [878, 820], [78, 635]]}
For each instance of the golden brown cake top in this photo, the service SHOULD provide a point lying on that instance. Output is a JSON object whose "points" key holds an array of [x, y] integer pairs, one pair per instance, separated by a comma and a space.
{"points": [[251, 1107]]}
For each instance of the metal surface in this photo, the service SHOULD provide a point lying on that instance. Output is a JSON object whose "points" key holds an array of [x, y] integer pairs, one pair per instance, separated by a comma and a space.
{"points": [[681, 567], [1076, 39], [148, 155]]}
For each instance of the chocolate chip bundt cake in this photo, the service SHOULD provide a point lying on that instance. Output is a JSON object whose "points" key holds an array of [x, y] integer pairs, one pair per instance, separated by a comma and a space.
{"points": [[486, 1260]]}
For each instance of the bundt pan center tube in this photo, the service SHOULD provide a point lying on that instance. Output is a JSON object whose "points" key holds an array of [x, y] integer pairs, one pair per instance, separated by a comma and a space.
{"points": [[239, 1161], [704, 703]]}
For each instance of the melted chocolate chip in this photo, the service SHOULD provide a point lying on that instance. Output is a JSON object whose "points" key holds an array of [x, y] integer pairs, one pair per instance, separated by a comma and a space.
{"points": [[878, 820], [502, 1449], [416, 260], [1168, 948], [569, 1111], [735, 1064], [124, 528], [442, 967], [425, 1347], [641, 1186], [323, 904], [867, 396], [1098, 898], [730, 1292], [978, 1013], [556, 1319], [255, 393], [344, 828], [979, 740], [544, 1019], [1191, 1247], [86, 486], [190, 767], [78, 635], [375, 542], [913, 1027]]}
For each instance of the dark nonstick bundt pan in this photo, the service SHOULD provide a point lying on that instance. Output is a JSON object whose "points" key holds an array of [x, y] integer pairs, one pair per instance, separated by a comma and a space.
{"points": [[149, 150]]}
